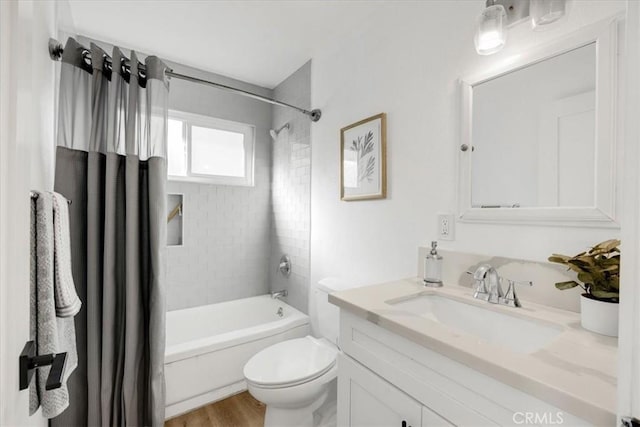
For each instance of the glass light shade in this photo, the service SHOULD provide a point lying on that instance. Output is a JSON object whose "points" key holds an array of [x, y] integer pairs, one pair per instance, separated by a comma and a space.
{"points": [[545, 12], [491, 34]]}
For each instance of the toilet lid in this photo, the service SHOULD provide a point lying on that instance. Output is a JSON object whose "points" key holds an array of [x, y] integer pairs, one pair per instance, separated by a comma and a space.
{"points": [[290, 362]]}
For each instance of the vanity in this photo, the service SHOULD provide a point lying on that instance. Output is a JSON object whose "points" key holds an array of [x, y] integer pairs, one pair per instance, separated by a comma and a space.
{"points": [[415, 356]]}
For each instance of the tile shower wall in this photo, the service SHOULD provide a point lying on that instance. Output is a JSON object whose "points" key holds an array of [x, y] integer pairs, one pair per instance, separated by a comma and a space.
{"points": [[291, 184], [225, 250]]}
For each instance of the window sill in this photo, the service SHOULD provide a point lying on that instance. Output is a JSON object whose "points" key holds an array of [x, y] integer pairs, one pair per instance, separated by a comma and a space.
{"points": [[230, 181]]}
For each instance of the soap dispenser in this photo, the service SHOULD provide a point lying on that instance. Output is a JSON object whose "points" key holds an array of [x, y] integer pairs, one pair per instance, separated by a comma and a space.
{"points": [[433, 267]]}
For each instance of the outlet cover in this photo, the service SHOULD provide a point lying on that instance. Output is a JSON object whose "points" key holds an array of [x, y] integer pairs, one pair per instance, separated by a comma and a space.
{"points": [[446, 226]]}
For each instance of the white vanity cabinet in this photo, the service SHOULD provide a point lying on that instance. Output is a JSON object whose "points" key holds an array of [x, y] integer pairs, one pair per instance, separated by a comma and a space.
{"points": [[385, 379], [366, 400]]}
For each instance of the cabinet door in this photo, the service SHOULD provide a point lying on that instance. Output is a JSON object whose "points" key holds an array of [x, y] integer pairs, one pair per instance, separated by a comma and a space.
{"points": [[366, 400], [431, 419]]}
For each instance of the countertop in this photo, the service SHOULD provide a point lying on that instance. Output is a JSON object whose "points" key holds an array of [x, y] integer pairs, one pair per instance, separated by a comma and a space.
{"points": [[575, 372]]}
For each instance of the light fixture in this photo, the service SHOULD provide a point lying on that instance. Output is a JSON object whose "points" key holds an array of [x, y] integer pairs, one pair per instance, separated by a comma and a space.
{"points": [[491, 31], [544, 12], [491, 34]]}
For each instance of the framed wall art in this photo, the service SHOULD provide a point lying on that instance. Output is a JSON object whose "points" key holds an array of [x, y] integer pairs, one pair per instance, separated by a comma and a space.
{"points": [[363, 159]]}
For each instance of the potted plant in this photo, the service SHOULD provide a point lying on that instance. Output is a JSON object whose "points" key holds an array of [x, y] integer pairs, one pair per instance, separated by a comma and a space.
{"points": [[598, 274]]}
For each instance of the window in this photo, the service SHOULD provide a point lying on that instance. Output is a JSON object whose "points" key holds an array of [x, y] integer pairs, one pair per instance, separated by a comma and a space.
{"points": [[209, 150]]}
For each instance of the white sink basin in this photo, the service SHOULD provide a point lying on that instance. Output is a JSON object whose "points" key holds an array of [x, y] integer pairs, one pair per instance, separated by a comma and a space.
{"points": [[515, 333]]}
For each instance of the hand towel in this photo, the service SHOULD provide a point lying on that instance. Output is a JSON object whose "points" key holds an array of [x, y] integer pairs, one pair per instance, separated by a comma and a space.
{"points": [[52, 334], [67, 302]]}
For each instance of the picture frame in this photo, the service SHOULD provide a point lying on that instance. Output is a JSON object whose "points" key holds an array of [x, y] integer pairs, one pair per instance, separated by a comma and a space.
{"points": [[363, 159]]}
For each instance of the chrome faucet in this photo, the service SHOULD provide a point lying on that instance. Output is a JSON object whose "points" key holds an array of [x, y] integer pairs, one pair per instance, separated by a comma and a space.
{"points": [[488, 287], [279, 294], [491, 291]]}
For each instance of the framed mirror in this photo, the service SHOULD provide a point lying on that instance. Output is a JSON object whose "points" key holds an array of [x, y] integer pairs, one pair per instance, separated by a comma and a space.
{"points": [[538, 135]]}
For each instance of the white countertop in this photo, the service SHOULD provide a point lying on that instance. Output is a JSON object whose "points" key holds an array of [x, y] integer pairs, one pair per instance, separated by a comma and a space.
{"points": [[575, 372]]}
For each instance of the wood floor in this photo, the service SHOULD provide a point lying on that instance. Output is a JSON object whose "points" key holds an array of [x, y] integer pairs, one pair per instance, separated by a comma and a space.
{"points": [[241, 410]]}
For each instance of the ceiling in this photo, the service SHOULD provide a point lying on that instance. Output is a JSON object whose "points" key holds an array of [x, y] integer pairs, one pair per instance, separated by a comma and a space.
{"points": [[260, 42]]}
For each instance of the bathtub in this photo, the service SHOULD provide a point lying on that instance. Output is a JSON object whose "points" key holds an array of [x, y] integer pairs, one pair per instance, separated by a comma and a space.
{"points": [[208, 346]]}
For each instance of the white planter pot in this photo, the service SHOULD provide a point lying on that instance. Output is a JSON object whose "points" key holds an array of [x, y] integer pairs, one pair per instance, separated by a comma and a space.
{"points": [[599, 316]]}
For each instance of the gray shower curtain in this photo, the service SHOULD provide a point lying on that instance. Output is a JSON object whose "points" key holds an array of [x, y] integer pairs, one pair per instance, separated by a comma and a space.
{"points": [[111, 163]]}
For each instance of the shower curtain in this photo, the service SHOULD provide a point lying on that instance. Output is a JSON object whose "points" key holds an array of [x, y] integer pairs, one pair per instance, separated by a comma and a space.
{"points": [[111, 163]]}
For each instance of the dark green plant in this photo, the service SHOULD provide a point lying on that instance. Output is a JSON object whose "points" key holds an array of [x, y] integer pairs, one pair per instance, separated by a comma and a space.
{"points": [[598, 270]]}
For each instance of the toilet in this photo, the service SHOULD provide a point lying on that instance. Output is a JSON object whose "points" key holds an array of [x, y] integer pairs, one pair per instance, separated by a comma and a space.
{"points": [[296, 379]]}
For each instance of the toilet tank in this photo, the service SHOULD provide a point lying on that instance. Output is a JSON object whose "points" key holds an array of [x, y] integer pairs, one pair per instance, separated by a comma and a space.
{"points": [[324, 315]]}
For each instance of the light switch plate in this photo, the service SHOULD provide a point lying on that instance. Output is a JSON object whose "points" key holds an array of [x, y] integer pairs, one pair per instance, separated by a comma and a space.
{"points": [[446, 226]]}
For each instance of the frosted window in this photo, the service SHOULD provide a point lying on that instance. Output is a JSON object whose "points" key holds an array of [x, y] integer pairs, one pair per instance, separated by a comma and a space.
{"points": [[209, 150], [217, 152], [177, 149]]}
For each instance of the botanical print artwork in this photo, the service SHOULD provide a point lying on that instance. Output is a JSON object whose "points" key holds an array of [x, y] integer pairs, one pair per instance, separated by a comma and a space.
{"points": [[363, 157], [363, 146]]}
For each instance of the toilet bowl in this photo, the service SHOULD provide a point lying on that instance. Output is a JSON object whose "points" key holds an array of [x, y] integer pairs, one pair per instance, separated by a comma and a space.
{"points": [[296, 379], [293, 379]]}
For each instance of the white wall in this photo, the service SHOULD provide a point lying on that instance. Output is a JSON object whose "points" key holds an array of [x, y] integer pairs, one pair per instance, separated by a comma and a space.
{"points": [[291, 188], [406, 63], [27, 130]]}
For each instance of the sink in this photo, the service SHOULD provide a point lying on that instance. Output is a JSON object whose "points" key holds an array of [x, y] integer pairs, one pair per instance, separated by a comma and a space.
{"points": [[518, 334]]}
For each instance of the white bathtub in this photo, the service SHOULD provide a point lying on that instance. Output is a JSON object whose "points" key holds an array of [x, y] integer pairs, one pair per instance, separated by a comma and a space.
{"points": [[208, 346]]}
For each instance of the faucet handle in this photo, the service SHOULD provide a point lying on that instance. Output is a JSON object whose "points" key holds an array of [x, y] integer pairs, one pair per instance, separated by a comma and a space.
{"points": [[510, 297], [284, 265]]}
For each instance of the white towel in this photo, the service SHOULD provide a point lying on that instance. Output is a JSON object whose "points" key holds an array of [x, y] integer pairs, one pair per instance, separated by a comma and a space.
{"points": [[52, 334], [67, 302]]}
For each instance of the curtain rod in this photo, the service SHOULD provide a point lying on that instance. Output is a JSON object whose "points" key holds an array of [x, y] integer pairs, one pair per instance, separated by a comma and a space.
{"points": [[56, 49]]}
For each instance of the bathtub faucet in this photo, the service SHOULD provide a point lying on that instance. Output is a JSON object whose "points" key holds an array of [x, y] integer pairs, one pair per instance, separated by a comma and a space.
{"points": [[279, 294]]}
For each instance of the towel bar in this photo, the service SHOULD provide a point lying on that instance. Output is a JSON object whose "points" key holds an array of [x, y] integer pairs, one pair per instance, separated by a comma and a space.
{"points": [[34, 195], [29, 362]]}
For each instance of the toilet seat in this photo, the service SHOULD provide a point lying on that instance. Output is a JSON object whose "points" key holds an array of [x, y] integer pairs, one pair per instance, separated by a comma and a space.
{"points": [[290, 363]]}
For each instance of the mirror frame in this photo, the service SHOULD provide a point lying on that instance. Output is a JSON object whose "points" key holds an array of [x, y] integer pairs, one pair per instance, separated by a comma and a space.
{"points": [[603, 214]]}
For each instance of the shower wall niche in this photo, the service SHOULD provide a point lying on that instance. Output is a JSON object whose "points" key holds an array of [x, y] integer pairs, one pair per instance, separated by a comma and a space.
{"points": [[175, 231]]}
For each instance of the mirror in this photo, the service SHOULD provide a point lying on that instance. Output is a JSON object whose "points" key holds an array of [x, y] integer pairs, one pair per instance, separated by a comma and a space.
{"points": [[533, 134], [538, 136]]}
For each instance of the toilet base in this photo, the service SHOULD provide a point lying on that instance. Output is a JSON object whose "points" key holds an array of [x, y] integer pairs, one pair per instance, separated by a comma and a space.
{"points": [[294, 417]]}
